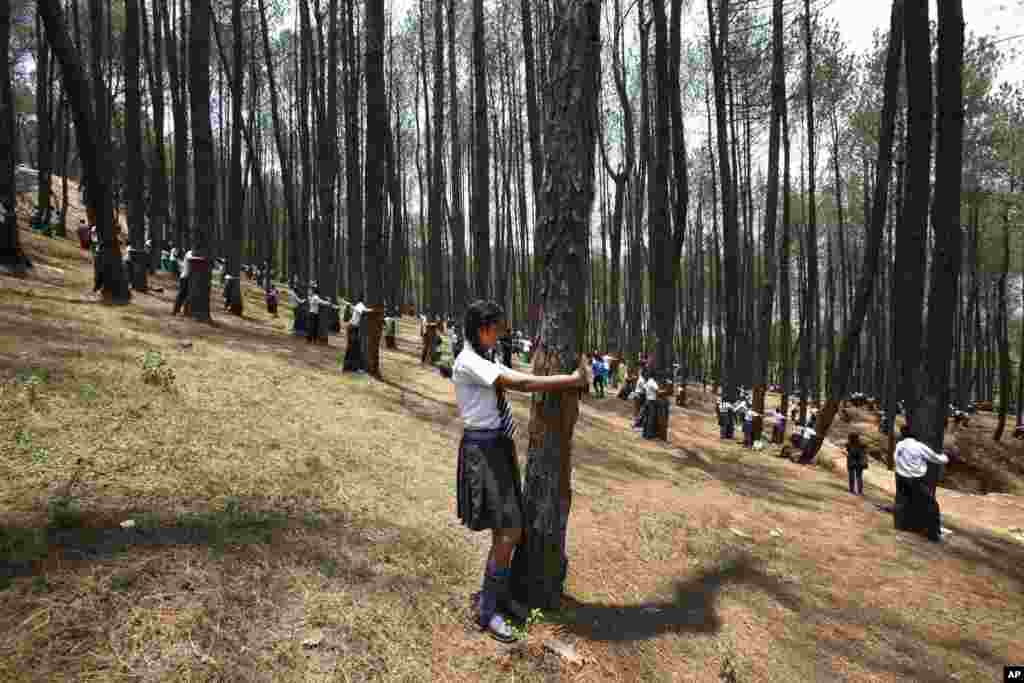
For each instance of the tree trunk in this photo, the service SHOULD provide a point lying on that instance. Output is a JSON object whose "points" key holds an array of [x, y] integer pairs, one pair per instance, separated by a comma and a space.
{"points": [[457, 222], [179, 110], [911, 239], [354, 190], [778, 94], [134, 160], [662, 269], [205, 171], [437, 184], [376, 141], [158, 168], [12, 258], [811, 314], [785, 298], [729, 211], [565, 209], [946, 251], [872, 248], [481, 161], [44, 137], [93, 155], [1002, 330]]}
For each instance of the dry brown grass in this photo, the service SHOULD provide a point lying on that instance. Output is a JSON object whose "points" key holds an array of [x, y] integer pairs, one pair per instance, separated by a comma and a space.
{"points": [[296, 524]]}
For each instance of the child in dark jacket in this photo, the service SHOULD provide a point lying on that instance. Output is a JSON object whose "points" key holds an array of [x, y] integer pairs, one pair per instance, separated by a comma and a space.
{"points": [[856, 463]]}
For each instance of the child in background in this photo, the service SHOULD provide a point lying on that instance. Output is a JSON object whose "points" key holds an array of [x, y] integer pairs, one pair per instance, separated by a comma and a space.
{"points": [[856, 463]]}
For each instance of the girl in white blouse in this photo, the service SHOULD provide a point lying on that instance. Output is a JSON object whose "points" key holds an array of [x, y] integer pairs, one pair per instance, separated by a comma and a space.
{"points": [[489, 490]]}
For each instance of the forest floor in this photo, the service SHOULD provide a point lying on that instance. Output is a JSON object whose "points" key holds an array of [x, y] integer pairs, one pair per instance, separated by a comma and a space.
{"points": [[256, 515]]}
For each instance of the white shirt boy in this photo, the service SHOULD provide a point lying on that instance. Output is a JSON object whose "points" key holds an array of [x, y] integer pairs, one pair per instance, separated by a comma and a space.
{"points": [[651, 389], [357, 314], [912, 458]]}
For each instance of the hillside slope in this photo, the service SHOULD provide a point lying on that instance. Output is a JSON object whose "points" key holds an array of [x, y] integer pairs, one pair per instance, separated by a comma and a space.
{"points": [[260, 516]]}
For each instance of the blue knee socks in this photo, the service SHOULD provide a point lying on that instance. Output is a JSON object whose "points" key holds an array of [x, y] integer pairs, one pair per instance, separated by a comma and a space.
{"points": [[495, 585]]}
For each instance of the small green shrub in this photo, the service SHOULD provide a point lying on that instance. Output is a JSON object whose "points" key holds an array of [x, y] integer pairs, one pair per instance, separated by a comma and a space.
{"points": [[155, 371], [87, 392], [33, 376], [121, 582], [64, 513], [22, 440]]}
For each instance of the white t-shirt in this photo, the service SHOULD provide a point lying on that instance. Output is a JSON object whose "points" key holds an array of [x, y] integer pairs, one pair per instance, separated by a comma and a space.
{"points": [[315, 302], [809, 434], [527, 345], [186, 266], [357, 314], [912, 458], [474, 378], [651, 389]]}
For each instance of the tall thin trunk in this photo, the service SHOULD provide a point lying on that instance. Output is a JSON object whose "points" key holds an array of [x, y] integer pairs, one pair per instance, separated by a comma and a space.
{"points": [[134, 159], [945, 216], [203, 153], [911, 238], [437, 302], [376, 142], [481, 161], [354, 189], [811, 315], [12, 258], [457, 222], [778, 94], [729, 211], [158, 167]]}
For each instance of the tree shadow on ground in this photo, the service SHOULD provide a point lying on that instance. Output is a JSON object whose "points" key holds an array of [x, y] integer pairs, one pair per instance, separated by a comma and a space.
{"points": [[693, 608], [328, 538], [748, 478]]}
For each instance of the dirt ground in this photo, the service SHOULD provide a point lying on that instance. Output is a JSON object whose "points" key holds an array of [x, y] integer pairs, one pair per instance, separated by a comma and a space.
{"points": [[243, 511]]}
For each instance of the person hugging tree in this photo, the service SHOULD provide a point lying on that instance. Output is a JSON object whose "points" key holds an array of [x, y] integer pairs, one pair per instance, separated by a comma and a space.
{"points": [[488, 486]]}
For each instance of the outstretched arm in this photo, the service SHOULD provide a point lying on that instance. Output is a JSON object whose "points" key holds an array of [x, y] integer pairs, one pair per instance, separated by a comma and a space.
{"points": [[518, 381]]}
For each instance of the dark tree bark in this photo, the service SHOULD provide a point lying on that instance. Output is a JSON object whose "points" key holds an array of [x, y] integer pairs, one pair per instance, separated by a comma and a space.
{"points": [[481, 160], [205, 172], [44, 137], [158, 167], [457, 221], [399, 241], [12, 258], [811, 330], [283, 155], [911, 237], [327, 161], [785, 297], [235, 189], [1001, 333], [570, 135], [661, 270], [946, 251], [134, 158], [778, 94], [354, 187], [730, 225], [437, 184], [179, 109], [376, 142], [93, 155], [873, 245]]}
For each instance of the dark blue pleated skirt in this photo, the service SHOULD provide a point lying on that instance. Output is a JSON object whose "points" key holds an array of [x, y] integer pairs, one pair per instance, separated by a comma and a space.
{"points": [[489, 490]]}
